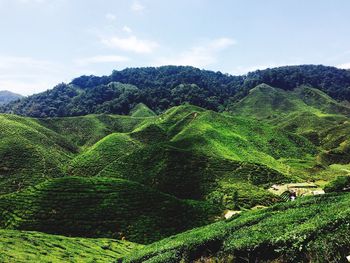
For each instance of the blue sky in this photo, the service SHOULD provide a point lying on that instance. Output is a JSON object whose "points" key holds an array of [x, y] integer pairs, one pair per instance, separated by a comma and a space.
{"points": [[44, 42]]}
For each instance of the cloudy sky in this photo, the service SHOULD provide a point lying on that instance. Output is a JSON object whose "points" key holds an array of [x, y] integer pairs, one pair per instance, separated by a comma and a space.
{"points": [[44, 42]]}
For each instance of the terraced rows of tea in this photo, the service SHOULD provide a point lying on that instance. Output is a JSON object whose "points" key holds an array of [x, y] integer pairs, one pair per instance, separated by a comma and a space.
{"points": [[144, 177], [99, 207]]}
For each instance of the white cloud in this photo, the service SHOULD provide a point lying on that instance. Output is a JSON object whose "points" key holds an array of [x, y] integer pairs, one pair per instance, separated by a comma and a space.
{"points": [[199, 56], [127, 29], [110, 17], [137, 6], [130, 43], [101, 59], [344, 66]]}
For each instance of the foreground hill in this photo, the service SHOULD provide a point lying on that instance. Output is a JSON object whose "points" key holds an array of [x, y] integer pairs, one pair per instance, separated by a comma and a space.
{"points": [[314, 229], [164, 87], [100, 207], [26, 246], [30, 153], [8, 96]]}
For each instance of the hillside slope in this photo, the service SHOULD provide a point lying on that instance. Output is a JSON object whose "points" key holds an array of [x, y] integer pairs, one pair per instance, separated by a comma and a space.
{"points": [[304, 111], [26, 246], [30, 153], [312, 229], [266, 102], [193, 153], [100, 207]]}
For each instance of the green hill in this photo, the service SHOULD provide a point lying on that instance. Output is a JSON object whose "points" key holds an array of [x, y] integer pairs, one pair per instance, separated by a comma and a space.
{"points": [[101, 154], [100, 207], [312, 229], [25, 246], [188, 146], [144, 177], [161, 88], [30, 153], [84, 131], [266, 102], [141, 110]]}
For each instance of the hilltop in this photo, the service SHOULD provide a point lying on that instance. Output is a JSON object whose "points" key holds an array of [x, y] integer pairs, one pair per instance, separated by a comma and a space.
{"points": [[8, 96]]}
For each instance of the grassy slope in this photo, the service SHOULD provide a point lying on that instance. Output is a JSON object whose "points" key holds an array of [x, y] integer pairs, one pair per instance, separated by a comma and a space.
{"points": [[30, 153], [101, 154], [22, 246], [187, 174], [218, 154], [314, 229], [266, 102], [100, 207], [307, 112], [84, 131], [141, 110]]}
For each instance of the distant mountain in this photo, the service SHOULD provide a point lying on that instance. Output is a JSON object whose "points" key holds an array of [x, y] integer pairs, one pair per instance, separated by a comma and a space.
{"points": [[163, 87], [8, 96]]}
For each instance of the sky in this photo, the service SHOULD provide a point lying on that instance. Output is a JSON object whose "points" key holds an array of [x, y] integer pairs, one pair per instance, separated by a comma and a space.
{"points": [[46, 42]]}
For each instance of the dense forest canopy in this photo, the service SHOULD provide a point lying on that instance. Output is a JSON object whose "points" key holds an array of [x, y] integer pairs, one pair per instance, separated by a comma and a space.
{"points": [[163, 87]]}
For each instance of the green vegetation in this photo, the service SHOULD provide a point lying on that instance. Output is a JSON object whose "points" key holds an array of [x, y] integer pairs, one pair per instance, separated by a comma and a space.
{"points": [[101, 154], [100, 207], [141, 110], [155, 172], [25, 246], [314, 229], [85, 131], [29, 153], [341, 183], [164, 87]]}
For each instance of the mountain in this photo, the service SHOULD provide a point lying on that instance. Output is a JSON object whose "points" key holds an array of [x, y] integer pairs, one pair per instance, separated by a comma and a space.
{"points": [[8, 96], [163, 87]]}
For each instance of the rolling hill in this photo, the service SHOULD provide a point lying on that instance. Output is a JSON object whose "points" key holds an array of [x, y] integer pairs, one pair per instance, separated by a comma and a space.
{"points": [[157, 171], [101, 207], [305, 111]]}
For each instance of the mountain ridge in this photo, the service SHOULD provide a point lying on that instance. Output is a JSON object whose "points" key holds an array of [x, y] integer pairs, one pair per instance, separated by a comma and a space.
{"points": [[164, 87]]}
